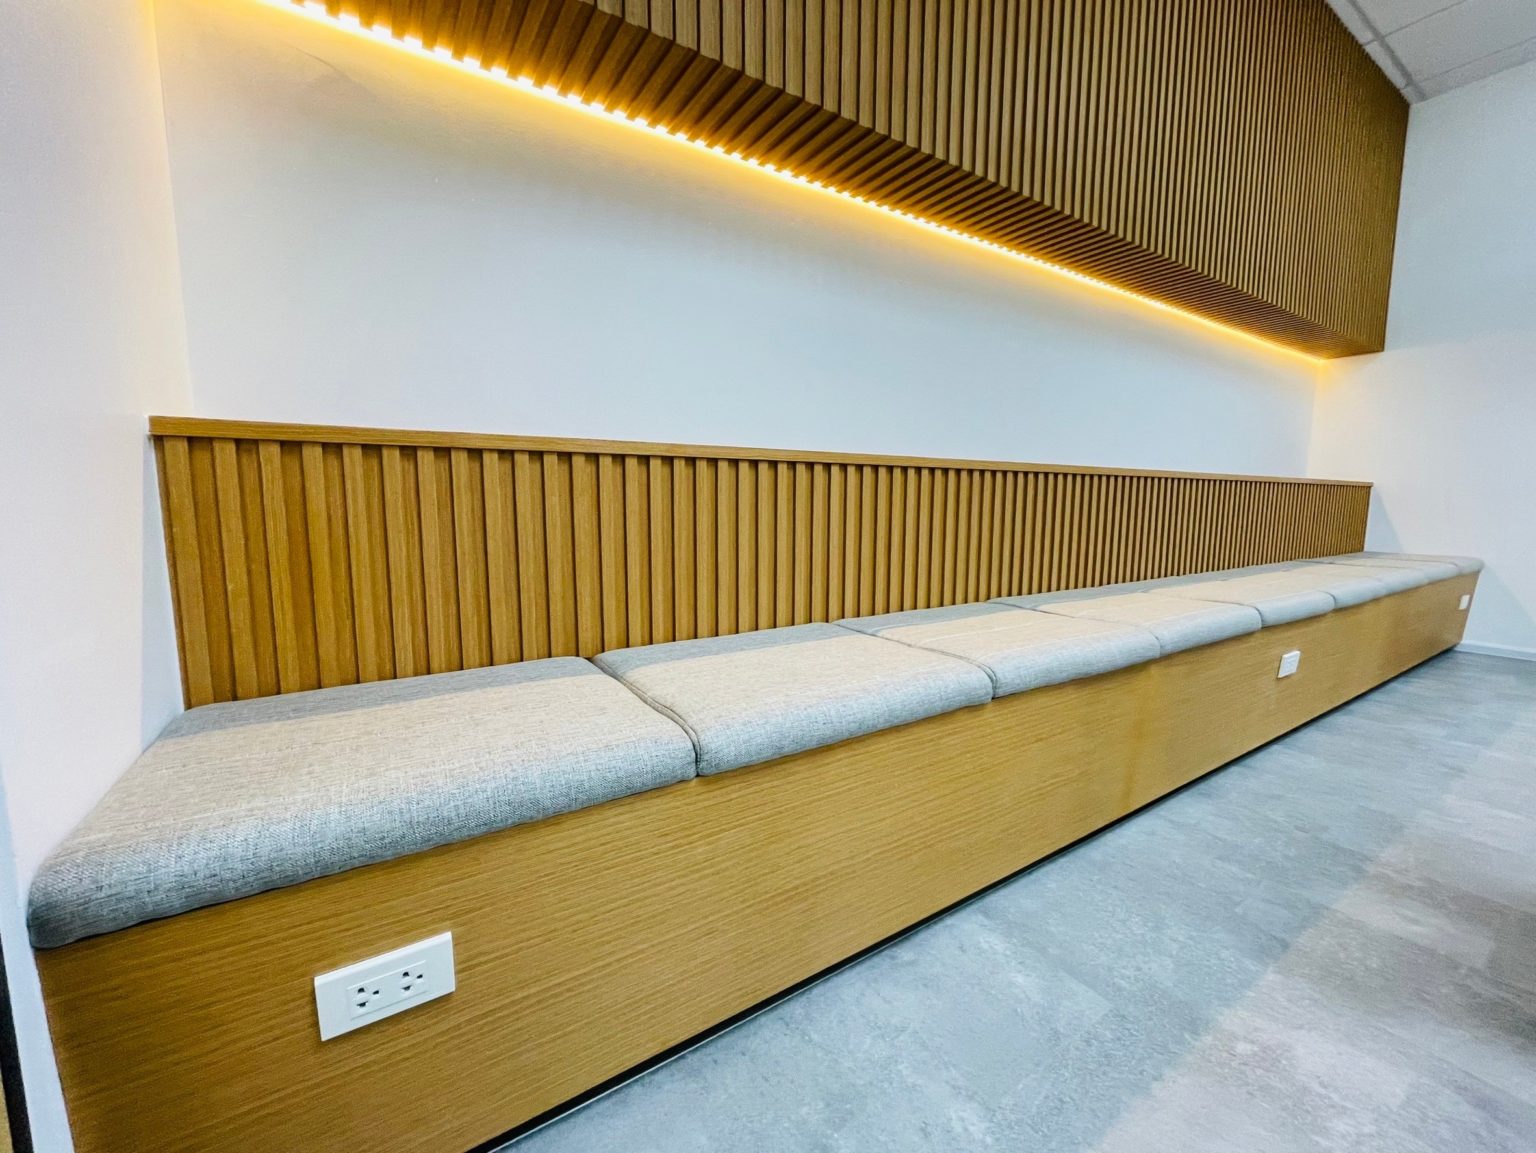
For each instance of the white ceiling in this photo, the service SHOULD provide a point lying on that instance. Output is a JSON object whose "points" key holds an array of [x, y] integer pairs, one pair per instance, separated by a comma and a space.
{"points": [[1431, 46]]}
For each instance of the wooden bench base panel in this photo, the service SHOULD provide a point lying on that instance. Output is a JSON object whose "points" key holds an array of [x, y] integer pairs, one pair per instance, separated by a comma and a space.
{"points": [[592, 941]]}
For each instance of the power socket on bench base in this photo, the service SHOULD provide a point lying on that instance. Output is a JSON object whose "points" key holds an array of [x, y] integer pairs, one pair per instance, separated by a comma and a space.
{"points": [[360, 994]]}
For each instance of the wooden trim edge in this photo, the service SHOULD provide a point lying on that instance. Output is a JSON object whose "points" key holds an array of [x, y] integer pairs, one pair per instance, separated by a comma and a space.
{"points": [[196, 426]]}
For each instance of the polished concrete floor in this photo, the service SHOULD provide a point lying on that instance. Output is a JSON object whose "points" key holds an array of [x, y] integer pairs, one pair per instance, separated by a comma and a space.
{"points": [[1329, 945]]}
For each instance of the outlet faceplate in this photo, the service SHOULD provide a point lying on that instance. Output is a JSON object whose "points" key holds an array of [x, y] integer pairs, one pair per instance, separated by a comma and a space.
{"points": [[1289, 663], [360, 994]]}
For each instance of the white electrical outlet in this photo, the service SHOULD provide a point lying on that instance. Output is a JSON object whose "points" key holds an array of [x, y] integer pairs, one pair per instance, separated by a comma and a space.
{"points": [[1466, 602], [360, 994], [1290, 662]]}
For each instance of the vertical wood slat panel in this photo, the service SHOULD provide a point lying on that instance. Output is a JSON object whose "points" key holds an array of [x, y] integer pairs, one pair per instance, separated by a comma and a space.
{"points": [[285, 634], [216, 599], [469, 558], [619, 518], [263, 622], [746, 547], [194, 627], [587, 544], [303, 562], [402, 541], [294, 576], [659, 473], [362, 477], [528, 500], [727, 506], [560, 554], [435, 593], [331, 586], [501, 558], [800, 546], [765, 545], [236, 566], [783, 544]]}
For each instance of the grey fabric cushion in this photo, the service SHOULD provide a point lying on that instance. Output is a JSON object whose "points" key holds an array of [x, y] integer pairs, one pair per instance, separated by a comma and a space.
{"points": [[1018, 648], [1346, 584], [233, 799], [1278, 598], [1064, 596], [1149, 585], [1465, 565], [1226, 574], [1355, 581], [1177, 624], [1230, 573], [1435, 567], [884, 623], [757, 696], [1396, 578]]}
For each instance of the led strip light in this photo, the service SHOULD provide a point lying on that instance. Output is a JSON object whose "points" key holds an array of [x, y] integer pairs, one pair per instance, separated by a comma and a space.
{"points": [[382, 34]]}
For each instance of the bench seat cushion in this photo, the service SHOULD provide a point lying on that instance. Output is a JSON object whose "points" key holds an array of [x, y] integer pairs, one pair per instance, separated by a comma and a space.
{"points": [[1435, 567], [1278, 598], [1096, 592], [1353, 582], [1348, 584], [1177, 624], [1148, 585], [1019, 649], [1396, 578], [757, 696], [233, 799]]}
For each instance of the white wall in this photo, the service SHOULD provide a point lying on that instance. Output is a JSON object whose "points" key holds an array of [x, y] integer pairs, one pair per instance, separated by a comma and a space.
{"points": [[90, 340], [369, 238], [1445, 420]]}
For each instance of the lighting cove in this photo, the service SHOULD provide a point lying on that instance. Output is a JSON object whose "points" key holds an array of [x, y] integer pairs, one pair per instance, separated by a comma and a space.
{"points": [[384, 35]]}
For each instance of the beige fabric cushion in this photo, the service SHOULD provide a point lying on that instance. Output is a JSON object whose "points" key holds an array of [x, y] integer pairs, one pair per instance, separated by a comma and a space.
{"points": [[1020, 649], [1177, 624], [1435, 567], [233, 799], [1347, 584], [1396, 578], [1280, 597], [759, 696]]}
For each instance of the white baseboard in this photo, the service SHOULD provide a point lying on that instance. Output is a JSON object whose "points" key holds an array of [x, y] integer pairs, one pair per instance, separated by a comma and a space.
{"points": [[1509, 651]]}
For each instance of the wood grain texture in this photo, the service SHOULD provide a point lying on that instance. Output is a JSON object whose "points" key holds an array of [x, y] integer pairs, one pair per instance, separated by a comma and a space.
{"points": [[568, 932], [397, 554], [193, 427], [1240, 161], [5, 1128]]}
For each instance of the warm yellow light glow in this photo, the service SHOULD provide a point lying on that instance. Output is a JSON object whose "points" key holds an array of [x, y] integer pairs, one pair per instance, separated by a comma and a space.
{"points": [[382, 34]]}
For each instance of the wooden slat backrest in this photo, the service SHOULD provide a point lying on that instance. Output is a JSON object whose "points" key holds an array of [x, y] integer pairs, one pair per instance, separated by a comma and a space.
{"points": [[305, 556]]}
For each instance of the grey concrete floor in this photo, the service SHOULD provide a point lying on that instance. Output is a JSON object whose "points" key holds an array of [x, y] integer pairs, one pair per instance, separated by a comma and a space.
{"points": [[1328, 945]]}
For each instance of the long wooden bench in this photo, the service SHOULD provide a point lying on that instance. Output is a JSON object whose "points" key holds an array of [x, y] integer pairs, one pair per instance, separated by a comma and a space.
{"points": [[630, 851]]}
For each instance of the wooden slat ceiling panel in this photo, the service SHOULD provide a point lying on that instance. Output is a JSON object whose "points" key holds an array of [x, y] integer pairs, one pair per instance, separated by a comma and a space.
{"points": [[1239, 160]]}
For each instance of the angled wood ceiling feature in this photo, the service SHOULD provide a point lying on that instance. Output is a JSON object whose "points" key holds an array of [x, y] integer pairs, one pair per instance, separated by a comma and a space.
{"points": [[1236, 160]]}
